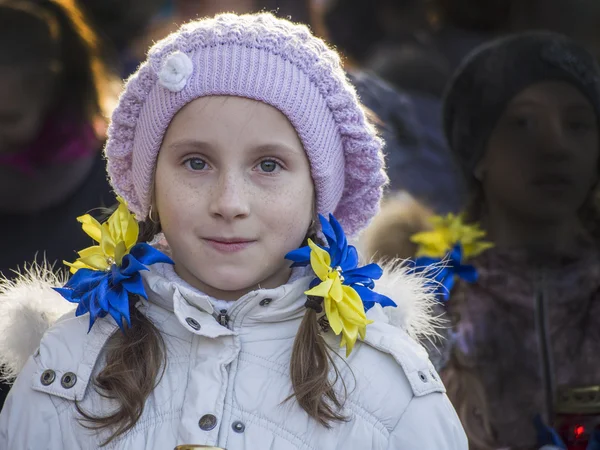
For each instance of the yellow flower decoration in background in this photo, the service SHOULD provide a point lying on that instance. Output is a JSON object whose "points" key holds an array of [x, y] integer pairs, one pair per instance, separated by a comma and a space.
{"points": [[115, 237], [448, 231], [343, 306]]}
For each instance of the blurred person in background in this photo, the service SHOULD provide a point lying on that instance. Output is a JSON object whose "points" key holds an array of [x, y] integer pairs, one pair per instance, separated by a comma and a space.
{"points": [[174, 13], [120, 24], [522, 117], [54, 93], [418, 159]]}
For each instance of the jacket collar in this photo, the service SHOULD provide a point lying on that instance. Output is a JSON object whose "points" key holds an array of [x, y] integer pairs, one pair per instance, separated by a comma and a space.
{"points": [[194, 312]]}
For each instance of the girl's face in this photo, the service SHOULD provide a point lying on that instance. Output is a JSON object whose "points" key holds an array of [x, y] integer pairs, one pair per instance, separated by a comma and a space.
{"points": [[234, 194], [542, 158]]}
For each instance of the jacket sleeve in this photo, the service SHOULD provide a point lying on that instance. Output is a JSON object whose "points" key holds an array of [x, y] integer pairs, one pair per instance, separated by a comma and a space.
{"points": [[429, 423], [29, 420]]}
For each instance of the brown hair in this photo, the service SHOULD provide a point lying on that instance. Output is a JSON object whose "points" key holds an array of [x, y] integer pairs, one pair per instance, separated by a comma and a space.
{"points": [[310, 366], [136, 362], [54, 38], [467, 394]]}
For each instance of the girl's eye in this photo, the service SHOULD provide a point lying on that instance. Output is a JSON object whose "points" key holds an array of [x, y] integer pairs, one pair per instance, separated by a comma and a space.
{"points": [[195, 164], [269, 166]]}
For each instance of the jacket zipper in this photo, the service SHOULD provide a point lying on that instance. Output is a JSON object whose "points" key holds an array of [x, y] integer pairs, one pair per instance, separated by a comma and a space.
{"points": [[541, 325], [223, 318]]}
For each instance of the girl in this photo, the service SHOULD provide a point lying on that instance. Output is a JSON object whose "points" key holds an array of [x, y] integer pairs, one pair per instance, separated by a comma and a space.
{"points": [[229, 139], [522, 117]]}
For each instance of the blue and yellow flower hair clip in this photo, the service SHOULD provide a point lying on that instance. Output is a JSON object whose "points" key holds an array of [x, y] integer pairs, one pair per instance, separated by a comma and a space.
{"points": [[105, 274], [448, 246], [346, 289]]}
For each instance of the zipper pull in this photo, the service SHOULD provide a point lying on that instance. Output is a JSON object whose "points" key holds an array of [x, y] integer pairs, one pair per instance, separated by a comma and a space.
{"points": [[223, 318]]}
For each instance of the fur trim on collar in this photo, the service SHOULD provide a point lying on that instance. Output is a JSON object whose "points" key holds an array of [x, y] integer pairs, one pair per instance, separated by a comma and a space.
{"points": [[30, 306], [415, 298]]}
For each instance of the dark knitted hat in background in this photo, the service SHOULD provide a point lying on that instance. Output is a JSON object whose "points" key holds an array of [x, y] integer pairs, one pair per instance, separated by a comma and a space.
{"points": [[494, 73]]}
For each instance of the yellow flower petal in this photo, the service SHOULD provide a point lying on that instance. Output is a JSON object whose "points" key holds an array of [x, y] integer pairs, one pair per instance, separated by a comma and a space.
{"points": [[349, 338], [120, 252], [115, 237], [76, 266], [321, 290], [336, 291], [320, 260], [107, 243], [448, 231], [362, 331], [97, 262], [353, 299], [95, 250], [333, 316], [91, 227], [132, 233]]}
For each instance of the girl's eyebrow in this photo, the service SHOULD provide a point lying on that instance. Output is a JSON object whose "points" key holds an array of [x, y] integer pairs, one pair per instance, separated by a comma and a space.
{"points": [[189, 144], [275, 148], [196, 145]]}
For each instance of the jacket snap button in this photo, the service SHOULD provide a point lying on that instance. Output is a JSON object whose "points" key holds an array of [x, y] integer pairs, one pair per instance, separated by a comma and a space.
{"points": [[47, 377], [68, 380], [238, 427], [265, 301], [207, 422], [193, 323], [423, 377]]}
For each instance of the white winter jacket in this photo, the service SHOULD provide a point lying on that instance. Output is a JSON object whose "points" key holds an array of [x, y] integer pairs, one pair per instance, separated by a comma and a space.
{"points": [[226, 385]]}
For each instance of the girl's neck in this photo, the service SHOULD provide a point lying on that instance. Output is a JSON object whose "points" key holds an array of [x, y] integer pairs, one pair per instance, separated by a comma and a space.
{"points": [[509, 232], [278, 279]]}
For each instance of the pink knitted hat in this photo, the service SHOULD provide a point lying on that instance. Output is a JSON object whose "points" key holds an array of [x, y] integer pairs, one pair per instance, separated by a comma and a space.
{"points": [[260, 57]]}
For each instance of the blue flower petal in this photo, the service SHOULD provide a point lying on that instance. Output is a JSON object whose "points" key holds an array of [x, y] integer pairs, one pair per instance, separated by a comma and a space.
{"points": [[467, 273], [373, 271], [102, 297], [131, 265], [372, 297], [547, 435], [116, 274], [368, 305], [85, 280], [135, 286], [82, 309], [98, 300], [314, 283], [352, 280], [341, 241], [332, 248], [67, 294], [300, 256], [350, 259], [328, 231], [148, 255], [119, 307]]}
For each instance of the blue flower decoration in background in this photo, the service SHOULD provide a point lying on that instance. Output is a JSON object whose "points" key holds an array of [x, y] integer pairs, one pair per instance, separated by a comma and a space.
{"points": [[443, 250], [445, 271], [547, 435], [344, 260]]}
